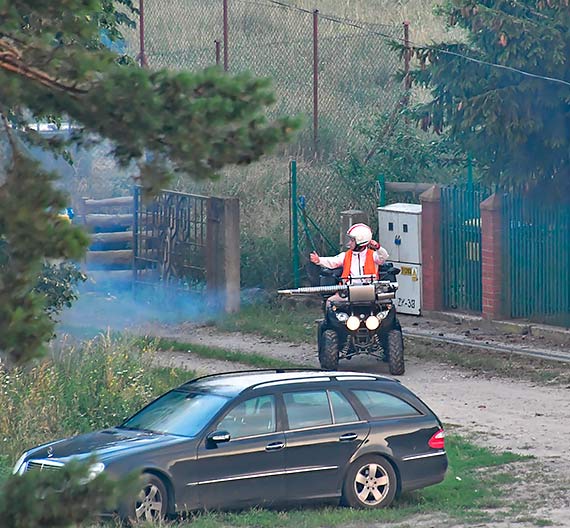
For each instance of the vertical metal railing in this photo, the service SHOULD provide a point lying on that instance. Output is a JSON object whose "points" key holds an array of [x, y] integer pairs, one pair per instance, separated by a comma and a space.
{"points": [[461, 247], [537, 259], [170, 239]]}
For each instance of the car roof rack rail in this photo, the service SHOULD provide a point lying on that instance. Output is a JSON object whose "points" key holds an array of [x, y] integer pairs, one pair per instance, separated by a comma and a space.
{"points": [[255, 371]]}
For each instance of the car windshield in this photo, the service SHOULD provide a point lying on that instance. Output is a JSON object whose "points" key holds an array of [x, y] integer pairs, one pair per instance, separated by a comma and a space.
{"points": [[178, 413]]}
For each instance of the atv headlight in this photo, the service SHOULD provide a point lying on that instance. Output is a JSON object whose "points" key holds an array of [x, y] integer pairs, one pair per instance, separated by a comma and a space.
{"points": [[372, 323], [342, 316], [353, 323]]}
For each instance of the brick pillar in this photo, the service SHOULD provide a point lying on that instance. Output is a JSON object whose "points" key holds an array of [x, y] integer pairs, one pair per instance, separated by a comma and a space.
{"points": [[432, 287], [492, 253], [223, 254]]}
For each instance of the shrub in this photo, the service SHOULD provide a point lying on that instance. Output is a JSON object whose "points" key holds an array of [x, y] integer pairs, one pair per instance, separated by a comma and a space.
{"points": [[57, 283], [60, 498]]}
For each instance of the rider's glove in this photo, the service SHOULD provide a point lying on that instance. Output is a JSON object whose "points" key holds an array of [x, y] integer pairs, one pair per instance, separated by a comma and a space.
{"points": [[373, 245]]}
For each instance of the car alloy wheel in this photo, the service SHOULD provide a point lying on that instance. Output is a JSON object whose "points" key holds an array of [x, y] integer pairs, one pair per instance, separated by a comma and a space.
{"points": [[370, 483], [151, 502]]}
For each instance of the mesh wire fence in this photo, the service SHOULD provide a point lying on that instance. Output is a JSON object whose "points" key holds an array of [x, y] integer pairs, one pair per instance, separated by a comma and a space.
{"points": [[355, 65], [356, 70]]}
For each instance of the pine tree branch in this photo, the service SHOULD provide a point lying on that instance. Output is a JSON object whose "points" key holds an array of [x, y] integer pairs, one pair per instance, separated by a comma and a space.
{"points": [[11, 60]]}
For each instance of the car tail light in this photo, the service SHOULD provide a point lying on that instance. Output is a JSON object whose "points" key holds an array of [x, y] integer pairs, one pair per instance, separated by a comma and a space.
{"points": [[437, 441]]}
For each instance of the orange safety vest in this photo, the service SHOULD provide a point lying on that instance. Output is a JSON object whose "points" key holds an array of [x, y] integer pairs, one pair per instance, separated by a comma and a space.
{"points": [[370, 267]]}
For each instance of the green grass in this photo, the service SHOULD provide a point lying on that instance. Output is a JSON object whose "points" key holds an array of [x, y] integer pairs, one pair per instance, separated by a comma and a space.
{"points": [[473, 487], [286, 320], [246, 358]]}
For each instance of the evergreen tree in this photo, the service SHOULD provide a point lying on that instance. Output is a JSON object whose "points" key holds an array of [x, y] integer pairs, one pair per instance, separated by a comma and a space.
{"points": [[516, 126], [54, 67]]}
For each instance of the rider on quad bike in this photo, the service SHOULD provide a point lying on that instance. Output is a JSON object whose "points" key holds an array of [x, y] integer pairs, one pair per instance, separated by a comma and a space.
{"points": [[360, 318]]}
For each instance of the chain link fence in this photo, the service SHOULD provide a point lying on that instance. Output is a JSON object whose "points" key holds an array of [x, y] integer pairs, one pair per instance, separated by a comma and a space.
{"points": [[339, 74], [335, 72]]}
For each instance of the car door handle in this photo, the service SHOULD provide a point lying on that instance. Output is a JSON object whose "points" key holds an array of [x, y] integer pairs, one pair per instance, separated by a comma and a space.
{"points": [[275, 446], [348, 437]]}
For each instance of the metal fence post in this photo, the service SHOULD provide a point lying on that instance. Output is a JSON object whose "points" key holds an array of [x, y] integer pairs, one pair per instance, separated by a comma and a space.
{"points": [[407, 55], [316, 79], [381, 190], [218, 54], [142, 54], [225, 22], [294, 223]]}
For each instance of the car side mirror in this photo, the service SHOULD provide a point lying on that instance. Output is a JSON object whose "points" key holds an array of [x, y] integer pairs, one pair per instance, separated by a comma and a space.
{"points": [[218, 437]]}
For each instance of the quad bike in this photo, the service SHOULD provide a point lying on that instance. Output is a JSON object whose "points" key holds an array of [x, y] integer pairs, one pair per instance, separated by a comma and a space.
{"points": [[362, 321]]}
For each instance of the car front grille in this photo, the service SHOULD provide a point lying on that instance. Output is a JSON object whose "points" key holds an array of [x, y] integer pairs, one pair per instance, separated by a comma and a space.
{"points": [[43, 465]]}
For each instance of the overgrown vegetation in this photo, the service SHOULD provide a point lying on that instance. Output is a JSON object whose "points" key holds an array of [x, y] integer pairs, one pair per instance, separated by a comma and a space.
{"points": [[77, 389], [395, 149]]}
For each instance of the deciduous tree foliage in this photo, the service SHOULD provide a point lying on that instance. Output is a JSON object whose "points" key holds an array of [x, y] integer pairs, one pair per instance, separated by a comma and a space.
{"points": [[516, 126], [53, 66]]}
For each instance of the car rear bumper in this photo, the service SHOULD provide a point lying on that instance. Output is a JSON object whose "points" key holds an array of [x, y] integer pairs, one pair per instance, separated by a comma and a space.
{"points": [[422, 472]]}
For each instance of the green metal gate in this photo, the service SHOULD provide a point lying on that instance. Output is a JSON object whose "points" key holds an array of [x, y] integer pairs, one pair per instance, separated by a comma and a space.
{"points": [[537, 259], [461, 247]]}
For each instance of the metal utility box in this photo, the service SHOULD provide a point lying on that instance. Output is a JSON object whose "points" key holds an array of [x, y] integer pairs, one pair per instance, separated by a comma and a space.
{"points": [[399, 231]]}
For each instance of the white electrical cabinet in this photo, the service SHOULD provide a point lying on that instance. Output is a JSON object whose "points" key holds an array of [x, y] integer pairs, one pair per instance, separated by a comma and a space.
{"points": [[399, 231]]}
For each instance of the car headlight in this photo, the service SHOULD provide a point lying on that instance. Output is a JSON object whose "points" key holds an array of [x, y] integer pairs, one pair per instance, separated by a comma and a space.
{"points": [[372, 323], [95, 470], [353, 323], [20, 465], [92, 473], [341, 316]]}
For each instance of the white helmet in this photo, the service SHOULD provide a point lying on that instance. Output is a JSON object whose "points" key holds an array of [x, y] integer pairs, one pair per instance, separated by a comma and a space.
{"points": [[361, 234]]}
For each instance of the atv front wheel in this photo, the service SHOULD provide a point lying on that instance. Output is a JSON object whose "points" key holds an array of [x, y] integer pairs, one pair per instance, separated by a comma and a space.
{"points": [[328, 350], [395, 352]]}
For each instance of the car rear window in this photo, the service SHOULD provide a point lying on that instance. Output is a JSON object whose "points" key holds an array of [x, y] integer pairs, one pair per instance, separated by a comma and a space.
{"points": [[382, 405]]}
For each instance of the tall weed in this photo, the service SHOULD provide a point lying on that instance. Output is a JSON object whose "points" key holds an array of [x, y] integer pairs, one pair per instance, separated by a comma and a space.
{"points": [[77, 389]]}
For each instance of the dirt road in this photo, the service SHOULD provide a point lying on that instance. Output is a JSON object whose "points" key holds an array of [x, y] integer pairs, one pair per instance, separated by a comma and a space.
{"points": [[503, 414]]}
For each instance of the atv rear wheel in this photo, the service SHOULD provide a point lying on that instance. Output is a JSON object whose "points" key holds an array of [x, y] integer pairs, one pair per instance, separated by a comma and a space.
{"points": [[395, 352], [328, 350]]}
